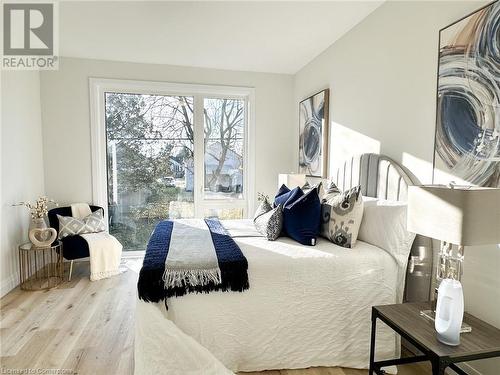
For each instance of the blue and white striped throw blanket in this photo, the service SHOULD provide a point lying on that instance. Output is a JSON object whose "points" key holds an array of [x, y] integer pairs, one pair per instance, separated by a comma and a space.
{"points": [[191, 256]]}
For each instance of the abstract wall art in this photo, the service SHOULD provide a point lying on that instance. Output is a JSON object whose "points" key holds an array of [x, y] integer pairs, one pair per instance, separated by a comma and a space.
{"points": [[313, 134], [467, 141]]}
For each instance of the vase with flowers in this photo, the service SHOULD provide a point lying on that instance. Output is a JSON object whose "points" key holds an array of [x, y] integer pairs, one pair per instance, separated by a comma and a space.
{"points": [[39, 234]]}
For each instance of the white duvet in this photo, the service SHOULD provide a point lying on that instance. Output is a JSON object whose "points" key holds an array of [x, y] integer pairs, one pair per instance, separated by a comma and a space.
{"points": [[306, 306]]}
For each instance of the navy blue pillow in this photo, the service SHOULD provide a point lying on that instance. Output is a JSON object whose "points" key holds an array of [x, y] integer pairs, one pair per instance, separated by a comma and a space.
{"points": [[282, 190], [286, 196], [301, 213], [301, 218]]}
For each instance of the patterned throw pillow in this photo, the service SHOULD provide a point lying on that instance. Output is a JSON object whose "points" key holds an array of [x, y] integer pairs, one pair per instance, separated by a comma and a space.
{"points": [[269, 221], [264, 207], [70, 226], [341, 216], [329, 191], [307, 187]]}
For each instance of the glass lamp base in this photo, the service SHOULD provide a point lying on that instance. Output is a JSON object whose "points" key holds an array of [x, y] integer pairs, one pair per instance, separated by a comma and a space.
{"points": [[431, 315]]}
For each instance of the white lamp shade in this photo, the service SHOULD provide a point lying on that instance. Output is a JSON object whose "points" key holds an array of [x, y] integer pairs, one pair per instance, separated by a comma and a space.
{"points": [[291, 180], [459, 215]]}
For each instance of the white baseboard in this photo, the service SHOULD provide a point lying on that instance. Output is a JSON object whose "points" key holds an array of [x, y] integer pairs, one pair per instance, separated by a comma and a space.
{"points": [[9, 283]]}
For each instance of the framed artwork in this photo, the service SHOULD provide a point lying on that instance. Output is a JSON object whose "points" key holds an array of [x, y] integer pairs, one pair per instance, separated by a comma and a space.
{"points": [[313, 135], [467, 140]]}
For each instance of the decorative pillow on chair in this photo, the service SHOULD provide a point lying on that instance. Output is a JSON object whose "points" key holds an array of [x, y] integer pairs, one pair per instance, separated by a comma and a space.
{"points": [[70, 226], [341, 216], [269, 221]]}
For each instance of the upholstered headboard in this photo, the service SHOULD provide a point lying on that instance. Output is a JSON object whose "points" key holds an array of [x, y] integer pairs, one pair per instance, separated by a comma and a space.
{"points": [[381, 177], [378, 175]]}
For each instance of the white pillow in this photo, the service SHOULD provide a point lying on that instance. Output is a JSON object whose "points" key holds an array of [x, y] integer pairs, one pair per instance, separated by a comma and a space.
{"points": [[384, 225]]}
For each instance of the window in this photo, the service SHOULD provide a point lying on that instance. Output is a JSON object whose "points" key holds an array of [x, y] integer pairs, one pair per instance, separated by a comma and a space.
{"points": [[149, 157], [167, 151]]}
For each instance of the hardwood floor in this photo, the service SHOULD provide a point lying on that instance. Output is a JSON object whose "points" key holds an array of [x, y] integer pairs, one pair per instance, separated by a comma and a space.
{"points": [[84, 327]]}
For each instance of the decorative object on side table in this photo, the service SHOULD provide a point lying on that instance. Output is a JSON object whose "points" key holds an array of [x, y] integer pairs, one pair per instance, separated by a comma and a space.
{"points": [[467, 141], [313, 134], [40, 234], [456, 215], [41, 267]]}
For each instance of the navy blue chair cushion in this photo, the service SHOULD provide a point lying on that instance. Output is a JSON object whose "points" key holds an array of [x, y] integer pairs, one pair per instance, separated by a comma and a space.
{"points": [[74, 247], [301, 213]]}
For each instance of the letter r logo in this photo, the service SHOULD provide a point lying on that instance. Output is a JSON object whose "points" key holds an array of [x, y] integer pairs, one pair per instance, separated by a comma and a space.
{"points": [[28, 29]]}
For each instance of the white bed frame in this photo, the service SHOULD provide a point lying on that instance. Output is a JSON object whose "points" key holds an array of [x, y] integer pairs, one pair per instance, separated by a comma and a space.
{"points": [[381, 177]]}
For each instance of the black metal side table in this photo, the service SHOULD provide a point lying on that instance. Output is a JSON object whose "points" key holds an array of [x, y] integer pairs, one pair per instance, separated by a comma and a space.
{"points": [[40, 267], [405, 319]]}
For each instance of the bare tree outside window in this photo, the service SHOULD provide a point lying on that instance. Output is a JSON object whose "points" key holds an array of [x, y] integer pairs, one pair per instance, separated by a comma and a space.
{"points": [[150, 160], [224, 132]]}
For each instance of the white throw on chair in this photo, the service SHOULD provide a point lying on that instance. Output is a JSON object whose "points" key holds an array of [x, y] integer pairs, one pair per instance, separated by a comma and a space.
{"points": [[104, 249]]}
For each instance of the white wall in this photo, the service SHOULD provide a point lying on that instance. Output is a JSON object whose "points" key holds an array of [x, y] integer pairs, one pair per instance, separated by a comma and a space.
{"points": [[382, 80], [22, 166], [66, 130]]}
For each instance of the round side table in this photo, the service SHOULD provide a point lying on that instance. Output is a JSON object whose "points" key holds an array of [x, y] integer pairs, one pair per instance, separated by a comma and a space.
{"points": [[41, 267]]}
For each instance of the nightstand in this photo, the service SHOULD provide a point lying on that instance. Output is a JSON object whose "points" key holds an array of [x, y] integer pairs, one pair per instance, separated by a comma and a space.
{"points": [[405, 319]]}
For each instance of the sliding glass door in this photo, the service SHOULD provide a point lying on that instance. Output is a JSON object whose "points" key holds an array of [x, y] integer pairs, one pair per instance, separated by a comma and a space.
{"points": [[172, 157]]}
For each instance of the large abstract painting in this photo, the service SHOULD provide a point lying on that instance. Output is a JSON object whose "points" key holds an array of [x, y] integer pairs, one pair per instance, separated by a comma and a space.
{"points": [[313, 135], [467, 145]]}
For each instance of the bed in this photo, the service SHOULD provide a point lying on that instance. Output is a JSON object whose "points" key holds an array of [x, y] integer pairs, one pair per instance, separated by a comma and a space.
{"points": [[306, 306]]}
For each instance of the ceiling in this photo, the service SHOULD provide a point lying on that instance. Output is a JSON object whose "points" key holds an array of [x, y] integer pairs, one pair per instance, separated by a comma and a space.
{"points": [[278, 37]]}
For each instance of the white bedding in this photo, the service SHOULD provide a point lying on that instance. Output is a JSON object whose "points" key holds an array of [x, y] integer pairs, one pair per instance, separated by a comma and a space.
{"points": [[306, 306]]}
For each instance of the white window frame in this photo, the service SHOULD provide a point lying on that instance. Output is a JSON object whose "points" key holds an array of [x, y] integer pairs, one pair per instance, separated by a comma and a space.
{"points": [[99, 86]]}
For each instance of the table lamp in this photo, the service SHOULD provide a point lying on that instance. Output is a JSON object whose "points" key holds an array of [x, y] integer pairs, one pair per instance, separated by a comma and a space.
{"points": [[291, 180], [456, 215]]}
